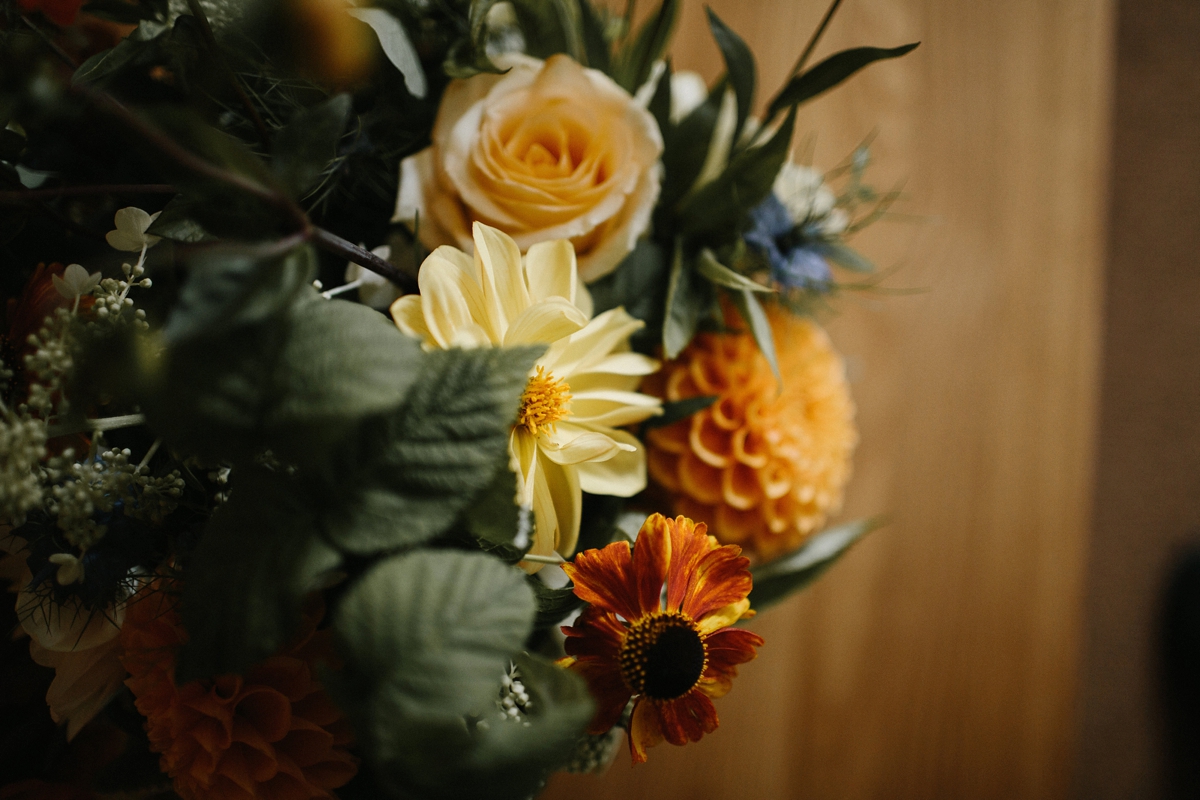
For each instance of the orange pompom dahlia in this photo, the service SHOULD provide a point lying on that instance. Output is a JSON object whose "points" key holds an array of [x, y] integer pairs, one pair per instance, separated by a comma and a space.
{"points": [[272, 733], [763, 466], [669, 651]]}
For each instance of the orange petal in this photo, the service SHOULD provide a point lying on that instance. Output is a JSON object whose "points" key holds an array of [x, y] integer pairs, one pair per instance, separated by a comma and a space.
{"points": [[651, 557], [711, 444], [604, 577], [663, 467], [699, 480], [689, 543], [740, 487], [737, 526], [645, 730], [688, 718], [721, 579]]}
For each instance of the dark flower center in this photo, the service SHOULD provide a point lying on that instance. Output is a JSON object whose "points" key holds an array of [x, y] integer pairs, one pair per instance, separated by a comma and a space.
{"points": [[663, 656]]}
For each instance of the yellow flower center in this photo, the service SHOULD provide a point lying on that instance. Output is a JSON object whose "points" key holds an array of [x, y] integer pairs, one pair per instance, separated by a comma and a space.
{"points": [[544, 402], [663, 656]]}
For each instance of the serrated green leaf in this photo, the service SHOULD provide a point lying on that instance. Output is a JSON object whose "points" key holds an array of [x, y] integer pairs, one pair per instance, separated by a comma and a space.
{"points": [[708, 266], [425, 638], [830, 73], [778, 579], [739, 66], [679, 410], [441, 447], [719, 207], [553, 605], [258, 558], [760, 327], [494, 515], [306, 145], [687, 299], [231, 285], [635, 60], [396, 46]]}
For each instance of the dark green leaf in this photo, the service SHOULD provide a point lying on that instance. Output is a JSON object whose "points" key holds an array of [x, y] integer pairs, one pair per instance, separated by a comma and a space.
{"points": [[396, 46], [685, 146], [11, 145], [594, 43], [830, 73], [687, 299], [719, 207], [177, 223], [636, 58], [426, 637], [679, 410], [708, 266], [739, 66], [660, 101], [306, 145], [845, 256], [105, 63], [246, 583], [752, 312], [553, 605], [639, 284], [545, 29], [230, 285], [494, 515], [778, 579], [599, 524], [441, 448]]}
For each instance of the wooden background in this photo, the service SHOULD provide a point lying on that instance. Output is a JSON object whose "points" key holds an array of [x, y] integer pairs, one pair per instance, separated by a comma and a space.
{"points": [[940, 659]]}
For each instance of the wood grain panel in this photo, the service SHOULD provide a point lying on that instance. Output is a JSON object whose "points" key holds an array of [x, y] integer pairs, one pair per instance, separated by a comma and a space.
{"points": [[939, 660]]}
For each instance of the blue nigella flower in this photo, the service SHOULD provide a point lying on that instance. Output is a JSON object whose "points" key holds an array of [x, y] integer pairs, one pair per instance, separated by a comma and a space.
{"points": [[795, 259]]}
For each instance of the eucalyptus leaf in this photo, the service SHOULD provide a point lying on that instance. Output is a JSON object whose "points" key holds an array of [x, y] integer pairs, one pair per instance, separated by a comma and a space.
{"points": [[719, 207], [760, 327], [396, 46], [635, 59], [437, 451], [778, 579], [708, 266], [739, 66], [680, 410], [258, 559], [829, 73], [308, 143], [685, 305]]}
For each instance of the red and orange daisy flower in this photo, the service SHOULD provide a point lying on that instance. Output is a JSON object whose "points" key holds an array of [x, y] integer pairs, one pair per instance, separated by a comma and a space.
{"points": [[672, 651]]}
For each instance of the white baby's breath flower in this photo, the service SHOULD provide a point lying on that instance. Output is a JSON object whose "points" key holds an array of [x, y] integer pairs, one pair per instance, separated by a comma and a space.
{"points": [[76, 282], [130, 234]]}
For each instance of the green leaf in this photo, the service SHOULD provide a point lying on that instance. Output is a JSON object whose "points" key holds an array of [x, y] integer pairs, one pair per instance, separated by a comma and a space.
{"points": [[680, 410], [660, 102], [546, 28], [258, 559], [105, 63], [739, 66], [752, 312], [685, 146], [231, 285], [594, 44], [830, 73], [636, 58], [778, 579], [434, 454], [426, 637], [494, 515], [687, 299], [306, 145], [396, 46], [845, 256], [639, 283], [718, 273], [719, 207], [177, 223], [553, 605]]}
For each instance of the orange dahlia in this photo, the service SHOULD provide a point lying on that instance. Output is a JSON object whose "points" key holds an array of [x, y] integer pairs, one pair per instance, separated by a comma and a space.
{"points": [[272, 733], [672, 651], [763, 466]]}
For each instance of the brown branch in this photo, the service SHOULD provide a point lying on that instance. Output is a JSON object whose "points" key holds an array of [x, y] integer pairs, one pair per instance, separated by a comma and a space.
{"points": [[210, 40], [25, 195], [332, 243], [53, 45]]}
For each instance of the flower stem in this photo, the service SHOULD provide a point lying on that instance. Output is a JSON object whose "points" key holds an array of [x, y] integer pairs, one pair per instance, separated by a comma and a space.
{"points": [[332, 243], [816, 37], [553, 559], [98, 425]]}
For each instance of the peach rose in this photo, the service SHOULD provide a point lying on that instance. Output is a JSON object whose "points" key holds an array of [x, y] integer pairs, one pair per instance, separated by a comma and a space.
{"points": [[549, 150]]}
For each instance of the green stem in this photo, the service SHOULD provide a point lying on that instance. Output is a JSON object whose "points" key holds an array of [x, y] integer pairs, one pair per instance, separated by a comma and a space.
{"points": [[102, 424]]}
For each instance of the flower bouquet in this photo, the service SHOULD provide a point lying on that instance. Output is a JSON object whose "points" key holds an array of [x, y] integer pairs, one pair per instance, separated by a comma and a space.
{"points": [[409, 398]]}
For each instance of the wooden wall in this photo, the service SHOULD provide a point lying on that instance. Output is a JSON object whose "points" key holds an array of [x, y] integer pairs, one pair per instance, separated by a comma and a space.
{"points": [[939, 660]]}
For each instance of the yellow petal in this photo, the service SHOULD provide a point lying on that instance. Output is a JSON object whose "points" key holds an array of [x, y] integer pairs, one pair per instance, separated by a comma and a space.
{"points": [[623, 475], [522, 454], [410, 317], [545, 322], [563, 483], [613, 408], [504, 291], [724, 617], [450, 298], [570, 445], [591, 345], [550, 270]]}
